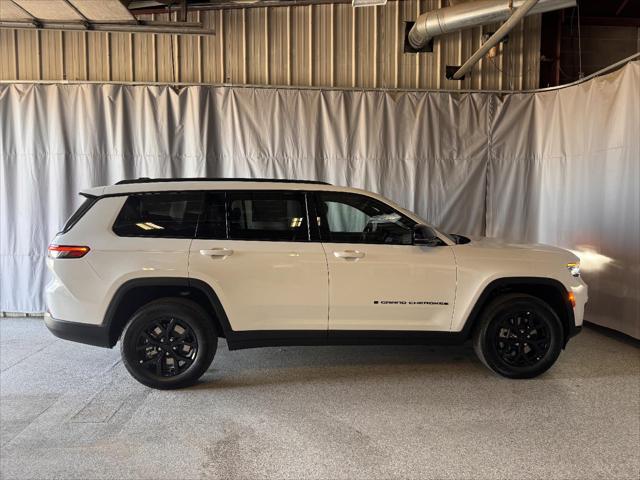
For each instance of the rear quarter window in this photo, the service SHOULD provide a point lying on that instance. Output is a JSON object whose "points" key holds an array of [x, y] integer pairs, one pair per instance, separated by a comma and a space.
{"points": [[79, 213], [160, 215]]}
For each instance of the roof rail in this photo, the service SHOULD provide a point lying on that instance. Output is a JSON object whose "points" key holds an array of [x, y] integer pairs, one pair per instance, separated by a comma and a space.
{"points": [[212, 179]]}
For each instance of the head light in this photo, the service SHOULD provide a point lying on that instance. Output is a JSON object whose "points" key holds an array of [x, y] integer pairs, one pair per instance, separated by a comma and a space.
{"points": [[574, 269]]}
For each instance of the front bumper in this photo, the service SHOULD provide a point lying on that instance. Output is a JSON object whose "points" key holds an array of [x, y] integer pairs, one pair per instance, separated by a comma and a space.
{"points": [[581, 294], [575, 330], [78, 332]]}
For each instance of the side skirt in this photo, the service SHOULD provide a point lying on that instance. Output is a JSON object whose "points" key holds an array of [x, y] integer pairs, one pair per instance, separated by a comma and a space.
{"points": [[280, 338]]}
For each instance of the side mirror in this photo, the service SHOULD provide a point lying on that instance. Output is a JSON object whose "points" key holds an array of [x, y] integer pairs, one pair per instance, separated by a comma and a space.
{"points": [[423, 235]]}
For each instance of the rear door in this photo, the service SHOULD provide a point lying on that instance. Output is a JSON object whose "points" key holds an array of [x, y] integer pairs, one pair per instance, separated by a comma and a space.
{"points": [[254, 249], [379, 280]]}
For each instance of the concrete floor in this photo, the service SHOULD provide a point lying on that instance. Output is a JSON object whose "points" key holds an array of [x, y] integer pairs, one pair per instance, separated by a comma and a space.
{"points": [[72, 411]]}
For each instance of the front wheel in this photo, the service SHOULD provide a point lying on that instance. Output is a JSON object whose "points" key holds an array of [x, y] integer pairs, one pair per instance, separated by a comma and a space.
{"points": [[168, 343], [518, 336]]}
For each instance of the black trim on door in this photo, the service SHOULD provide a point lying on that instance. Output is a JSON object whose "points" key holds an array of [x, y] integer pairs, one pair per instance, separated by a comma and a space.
{"points": [[207, 198], [313, 217]]}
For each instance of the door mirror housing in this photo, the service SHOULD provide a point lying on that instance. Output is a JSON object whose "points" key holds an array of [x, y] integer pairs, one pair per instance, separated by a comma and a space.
{"points": [[424, 235]]}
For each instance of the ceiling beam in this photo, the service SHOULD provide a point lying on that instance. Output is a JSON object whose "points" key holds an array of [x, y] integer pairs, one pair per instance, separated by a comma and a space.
{"points": [[621, 7], [84, 19], [229, 4], [134, 26], [32, 20]]}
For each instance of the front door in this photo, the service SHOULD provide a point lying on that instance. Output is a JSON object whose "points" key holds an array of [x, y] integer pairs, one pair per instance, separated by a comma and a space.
{"points": [[379, 280], [258, 259]]}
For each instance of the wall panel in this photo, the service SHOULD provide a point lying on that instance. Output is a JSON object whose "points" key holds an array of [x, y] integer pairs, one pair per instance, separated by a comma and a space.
{"points": [[28, 45], [460, 161], [320, 45], [52, 55]]}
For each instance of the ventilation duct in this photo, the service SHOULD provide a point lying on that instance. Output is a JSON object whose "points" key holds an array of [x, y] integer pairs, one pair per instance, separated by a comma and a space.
{"points": [[471, 14]]}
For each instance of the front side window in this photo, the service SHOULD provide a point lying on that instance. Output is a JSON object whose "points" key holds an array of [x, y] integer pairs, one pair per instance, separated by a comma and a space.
{"points": [[353, 218], [267, 215], [165, 215]]}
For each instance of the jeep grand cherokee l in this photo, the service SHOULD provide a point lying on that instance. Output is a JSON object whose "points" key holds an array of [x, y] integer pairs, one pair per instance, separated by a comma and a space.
{"points": [[168, 266]]}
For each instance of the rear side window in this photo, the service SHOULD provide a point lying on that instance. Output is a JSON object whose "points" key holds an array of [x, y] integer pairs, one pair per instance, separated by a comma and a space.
{"points": [[165, 215], [79, 213], [268, 215]]}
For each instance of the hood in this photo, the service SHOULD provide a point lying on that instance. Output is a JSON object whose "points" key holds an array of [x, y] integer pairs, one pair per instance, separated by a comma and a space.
{"points": [[522, 249]]}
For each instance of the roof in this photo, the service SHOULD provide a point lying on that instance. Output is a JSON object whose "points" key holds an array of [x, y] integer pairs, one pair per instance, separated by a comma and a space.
{"points": [[146, 184], [215, 179]]}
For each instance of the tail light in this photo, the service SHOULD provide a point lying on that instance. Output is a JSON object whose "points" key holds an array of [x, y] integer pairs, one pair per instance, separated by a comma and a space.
{"points": [[67, 251]]}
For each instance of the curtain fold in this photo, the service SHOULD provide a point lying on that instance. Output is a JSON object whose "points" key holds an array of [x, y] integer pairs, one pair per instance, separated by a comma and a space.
{"points": [[559, 167]]}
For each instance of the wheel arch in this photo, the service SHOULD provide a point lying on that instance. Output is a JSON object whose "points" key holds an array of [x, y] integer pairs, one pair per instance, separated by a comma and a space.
{"points": [[135, 293], [549, 290]]}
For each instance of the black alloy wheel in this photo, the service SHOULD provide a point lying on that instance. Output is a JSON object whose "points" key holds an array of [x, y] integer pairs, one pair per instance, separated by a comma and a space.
{"points": [[521, 338], [167, 347], [169, 343], [518, 336]]}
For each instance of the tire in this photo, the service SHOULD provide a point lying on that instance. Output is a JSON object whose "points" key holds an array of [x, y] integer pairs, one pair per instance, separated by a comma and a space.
{"points": [[168, 343], [518, 336]]}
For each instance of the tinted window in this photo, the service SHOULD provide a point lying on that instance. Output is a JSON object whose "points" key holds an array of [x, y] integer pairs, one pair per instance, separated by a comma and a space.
{"points": [[213, 221], [352, 218], [168, 215], [79, 213], [267, 215]]}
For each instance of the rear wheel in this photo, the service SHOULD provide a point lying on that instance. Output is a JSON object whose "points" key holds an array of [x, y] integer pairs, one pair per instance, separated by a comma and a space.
{"points": [[518, 336], [168, 343]]}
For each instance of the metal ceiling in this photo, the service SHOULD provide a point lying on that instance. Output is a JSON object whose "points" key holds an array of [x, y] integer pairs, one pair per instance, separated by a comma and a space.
{"points": [[319, 45], [97, 15], [65, 11]]}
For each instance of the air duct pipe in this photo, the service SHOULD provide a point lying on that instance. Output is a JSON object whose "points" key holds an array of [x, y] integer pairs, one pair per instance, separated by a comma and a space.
{"points": [[472, 14]]}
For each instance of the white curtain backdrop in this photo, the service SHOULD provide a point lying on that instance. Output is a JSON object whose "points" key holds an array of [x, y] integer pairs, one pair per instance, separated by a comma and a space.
{"points": [[559, 167]]}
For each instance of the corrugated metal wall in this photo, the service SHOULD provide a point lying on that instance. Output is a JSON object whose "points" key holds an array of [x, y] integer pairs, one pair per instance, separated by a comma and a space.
{"points": [[331, 45]]}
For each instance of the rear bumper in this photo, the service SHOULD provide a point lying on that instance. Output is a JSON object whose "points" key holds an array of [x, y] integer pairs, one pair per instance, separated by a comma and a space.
{"points": [[78, 332]]}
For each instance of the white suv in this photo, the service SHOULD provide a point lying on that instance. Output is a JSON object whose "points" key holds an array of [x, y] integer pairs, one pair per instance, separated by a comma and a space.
{"points": [[167, 266]]}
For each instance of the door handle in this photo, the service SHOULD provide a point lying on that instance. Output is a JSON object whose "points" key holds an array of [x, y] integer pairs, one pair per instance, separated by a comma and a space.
{"points": [[349, 254], [217, 252]]}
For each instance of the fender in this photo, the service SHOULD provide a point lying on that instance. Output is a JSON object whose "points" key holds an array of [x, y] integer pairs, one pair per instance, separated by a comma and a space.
{"points": [[504, 284], [114, 321]]}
